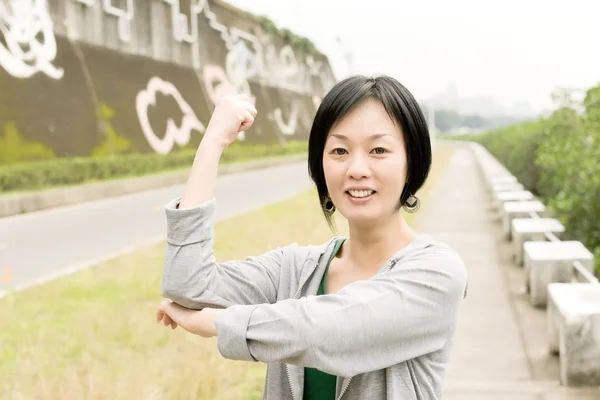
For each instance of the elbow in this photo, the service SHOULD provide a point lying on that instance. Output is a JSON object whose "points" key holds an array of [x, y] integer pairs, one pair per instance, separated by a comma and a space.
{"points": [[185, 278], [182, 295], [185, 290]]}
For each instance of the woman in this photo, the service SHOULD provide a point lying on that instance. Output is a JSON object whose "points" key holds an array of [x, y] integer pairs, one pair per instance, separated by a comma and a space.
{"points": [[370, 316]]}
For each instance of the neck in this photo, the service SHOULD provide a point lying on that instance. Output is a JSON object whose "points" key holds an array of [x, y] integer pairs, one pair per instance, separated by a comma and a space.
{"points": [[370, 245]]}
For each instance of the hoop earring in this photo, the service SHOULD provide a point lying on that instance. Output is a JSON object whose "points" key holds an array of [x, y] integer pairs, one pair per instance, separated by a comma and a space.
{"points": [[412, 205], [328, 205]]}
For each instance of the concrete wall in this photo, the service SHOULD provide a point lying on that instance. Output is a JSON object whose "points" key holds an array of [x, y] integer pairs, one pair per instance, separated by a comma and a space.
{"points": [[91, 77]]}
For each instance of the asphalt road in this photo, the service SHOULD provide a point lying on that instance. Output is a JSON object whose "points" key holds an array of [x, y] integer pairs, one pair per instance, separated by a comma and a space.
{"points": [[39, 246]]}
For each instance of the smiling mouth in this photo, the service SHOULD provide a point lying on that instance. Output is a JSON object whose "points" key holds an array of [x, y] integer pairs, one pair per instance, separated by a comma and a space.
{"points": [[360, 194]]}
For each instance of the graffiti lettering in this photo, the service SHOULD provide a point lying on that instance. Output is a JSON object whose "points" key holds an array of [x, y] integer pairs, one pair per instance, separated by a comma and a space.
{"points": [[25, 52], [174, 134], [204, 7], [316, 101], [124, 16], [248, 56], [182, 31], [217, 84], [287, 128]]}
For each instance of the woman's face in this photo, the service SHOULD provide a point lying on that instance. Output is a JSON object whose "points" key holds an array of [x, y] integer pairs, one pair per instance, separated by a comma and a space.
{"points": [[365, 165]]}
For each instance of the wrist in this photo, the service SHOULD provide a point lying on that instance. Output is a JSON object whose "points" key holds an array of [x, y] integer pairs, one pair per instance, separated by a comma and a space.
{"points": [[211, 315], [208, 145]]}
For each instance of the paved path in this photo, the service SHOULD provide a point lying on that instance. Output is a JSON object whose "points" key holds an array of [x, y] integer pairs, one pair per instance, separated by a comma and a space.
{"points": [[500, 344], [40, 245]]}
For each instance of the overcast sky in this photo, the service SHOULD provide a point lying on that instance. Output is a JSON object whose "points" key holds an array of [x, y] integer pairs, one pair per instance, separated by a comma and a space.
{"points": [[514, 50]]}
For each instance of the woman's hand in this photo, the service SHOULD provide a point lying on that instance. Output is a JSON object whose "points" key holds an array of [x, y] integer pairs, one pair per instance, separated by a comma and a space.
{"points": [[232, 115], [198, 322]]}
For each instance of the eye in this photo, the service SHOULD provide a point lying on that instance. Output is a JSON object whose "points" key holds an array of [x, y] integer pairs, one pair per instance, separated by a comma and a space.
{"points": [[379, 150], [338, 151]]}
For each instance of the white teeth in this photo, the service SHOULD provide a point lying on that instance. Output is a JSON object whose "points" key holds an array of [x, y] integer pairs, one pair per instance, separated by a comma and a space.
{"points": [[360, 193]]}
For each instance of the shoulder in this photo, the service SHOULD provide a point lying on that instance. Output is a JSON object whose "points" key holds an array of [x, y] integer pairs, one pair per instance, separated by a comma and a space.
{"points": [[434, 260], [295, 251]]}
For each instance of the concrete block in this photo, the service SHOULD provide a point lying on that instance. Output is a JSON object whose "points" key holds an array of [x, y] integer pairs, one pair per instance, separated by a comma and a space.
{"points": [[490, 170], [574, 331], [521, 195], [534, 230], [499, 178], [507, 187], [519, 209], [503, 178], [548, 262]]}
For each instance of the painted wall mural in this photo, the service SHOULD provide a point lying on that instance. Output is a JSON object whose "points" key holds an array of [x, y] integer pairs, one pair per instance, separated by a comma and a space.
{"points": [[28, 44], [159, 104], [176, 132]]}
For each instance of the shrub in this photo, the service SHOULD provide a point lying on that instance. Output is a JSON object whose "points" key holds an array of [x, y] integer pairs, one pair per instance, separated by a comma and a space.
{"points": [[558, 159], [69, 171]]}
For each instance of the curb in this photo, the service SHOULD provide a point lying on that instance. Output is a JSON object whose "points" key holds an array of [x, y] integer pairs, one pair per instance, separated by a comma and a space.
{"points": [[25, 202]]}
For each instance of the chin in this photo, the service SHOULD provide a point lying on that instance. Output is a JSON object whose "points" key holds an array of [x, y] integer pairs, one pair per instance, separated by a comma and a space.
{"points": [[361, 216]]}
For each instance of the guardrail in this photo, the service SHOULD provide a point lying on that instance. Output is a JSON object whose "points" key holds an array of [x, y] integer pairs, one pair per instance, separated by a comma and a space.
{"points": [[558, 273]]}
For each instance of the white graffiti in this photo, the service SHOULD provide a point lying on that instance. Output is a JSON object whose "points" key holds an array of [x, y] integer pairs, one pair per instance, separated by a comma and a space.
{"points": [[248, 56], [217, 84], [244, 62], [314, 67], [288, 128], [181, 32], [125, 16], [261, 60], [239, 57], [236, 75], [174, 134], [26, 52], [316, 101]]}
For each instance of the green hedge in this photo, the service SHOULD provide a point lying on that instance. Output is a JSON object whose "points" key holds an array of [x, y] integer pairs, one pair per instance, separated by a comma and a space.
{"points": [[558, 159], [71, 171]]}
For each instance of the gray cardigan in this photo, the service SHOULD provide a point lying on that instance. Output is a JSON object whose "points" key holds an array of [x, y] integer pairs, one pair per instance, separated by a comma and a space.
{"points": [[387, 337]]}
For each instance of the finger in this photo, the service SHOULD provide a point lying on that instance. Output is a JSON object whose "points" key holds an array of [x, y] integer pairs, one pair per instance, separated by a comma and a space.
{"points": [[251, 109], [159, 315], [248, 121], [244, 96], [174, 313]]}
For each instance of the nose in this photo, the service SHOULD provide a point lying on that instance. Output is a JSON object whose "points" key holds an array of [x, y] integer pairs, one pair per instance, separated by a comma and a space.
{"points": [[358, 166]]}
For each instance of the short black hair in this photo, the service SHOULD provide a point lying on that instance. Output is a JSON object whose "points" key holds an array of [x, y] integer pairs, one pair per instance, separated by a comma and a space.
{"points": [[402, 108]]}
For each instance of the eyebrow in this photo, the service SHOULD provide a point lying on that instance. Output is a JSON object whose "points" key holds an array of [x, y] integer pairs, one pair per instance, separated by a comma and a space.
{"points": [[372, 137]]}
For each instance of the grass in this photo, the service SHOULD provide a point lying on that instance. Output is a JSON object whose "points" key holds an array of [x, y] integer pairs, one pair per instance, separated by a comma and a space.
{"points": [[92, 335]]}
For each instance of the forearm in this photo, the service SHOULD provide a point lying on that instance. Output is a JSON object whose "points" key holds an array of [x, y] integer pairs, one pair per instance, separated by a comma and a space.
{"points": [[201, 183], [368, 325]]}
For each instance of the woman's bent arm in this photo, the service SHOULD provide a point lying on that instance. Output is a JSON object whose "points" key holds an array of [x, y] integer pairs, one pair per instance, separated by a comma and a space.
{"points": [[191, 276]]}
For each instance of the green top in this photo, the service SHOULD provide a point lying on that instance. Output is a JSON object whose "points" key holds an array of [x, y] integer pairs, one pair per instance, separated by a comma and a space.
{"points": [[317, 384]]}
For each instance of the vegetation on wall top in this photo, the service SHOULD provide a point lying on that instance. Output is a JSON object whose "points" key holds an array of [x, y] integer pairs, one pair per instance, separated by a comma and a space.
{"points": [[302, 43]]}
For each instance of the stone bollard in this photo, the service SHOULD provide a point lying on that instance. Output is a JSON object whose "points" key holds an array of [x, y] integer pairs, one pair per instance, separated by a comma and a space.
{"points": [[534, 230], [519, 209], [548, 262], [574, 331], [500, 178], [507, 187], [502, 197]]}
